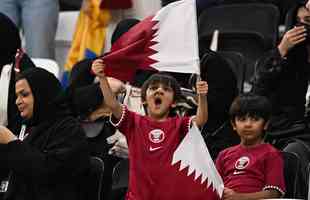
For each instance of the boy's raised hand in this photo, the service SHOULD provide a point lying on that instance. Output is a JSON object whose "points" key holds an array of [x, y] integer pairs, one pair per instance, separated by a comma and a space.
{"points": [[98, 68], [202, 87]]}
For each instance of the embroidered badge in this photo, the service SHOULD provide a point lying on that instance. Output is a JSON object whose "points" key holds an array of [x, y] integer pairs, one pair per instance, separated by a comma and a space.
{"points": [[156, 136], [242, 163]]}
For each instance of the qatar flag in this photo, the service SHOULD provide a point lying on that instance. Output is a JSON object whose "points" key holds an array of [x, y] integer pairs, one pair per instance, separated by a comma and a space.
{"points": [[167, 41], [192, 155]]}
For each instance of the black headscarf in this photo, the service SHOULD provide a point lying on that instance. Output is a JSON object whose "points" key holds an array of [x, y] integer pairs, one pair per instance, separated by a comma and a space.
{"points": [[9, 39], [122, 27], [46, 90]]}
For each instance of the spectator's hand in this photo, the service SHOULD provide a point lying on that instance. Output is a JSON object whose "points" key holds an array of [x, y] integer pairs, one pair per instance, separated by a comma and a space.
{"points": [[292, 37], [98, 68], [229, 194], [6, 135], [120, 147], [202, 87]]}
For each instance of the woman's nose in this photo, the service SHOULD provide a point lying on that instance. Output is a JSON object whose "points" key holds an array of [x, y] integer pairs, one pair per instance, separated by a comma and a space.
{"points": [[18, 101]]}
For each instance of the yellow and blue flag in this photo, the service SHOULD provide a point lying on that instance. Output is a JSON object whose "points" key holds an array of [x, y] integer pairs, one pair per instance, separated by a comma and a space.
{"points": [[89, 37]]}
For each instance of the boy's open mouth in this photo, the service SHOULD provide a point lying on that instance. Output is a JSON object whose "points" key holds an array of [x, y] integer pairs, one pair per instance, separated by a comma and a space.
{"points": [[157, 101]]}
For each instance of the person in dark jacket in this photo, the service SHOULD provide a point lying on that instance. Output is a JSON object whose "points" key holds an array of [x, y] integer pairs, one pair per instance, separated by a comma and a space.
{"points": [[282, 75], [45, 160]]}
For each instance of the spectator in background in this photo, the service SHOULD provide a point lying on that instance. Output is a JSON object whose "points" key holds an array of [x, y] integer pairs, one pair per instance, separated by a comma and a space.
{"points": [[87, 103], [38, 20], [82, 87], [10, 45], [282, 75], [50, 153]]}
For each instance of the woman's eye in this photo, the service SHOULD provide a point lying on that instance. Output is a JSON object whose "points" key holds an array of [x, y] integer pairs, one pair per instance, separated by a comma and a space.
{"points": [[24, 94]]}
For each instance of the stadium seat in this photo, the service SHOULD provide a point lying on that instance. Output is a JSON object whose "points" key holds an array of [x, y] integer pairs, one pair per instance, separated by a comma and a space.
{"points": [[120, 175], [93, 182], [292, 167], [251, 33], [308, 177], [237, 63], [47, 64], [223, 88]]}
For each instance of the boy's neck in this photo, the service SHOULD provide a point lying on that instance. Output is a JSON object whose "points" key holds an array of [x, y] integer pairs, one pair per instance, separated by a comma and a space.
{"points": [[251, 144], [158, 118]]}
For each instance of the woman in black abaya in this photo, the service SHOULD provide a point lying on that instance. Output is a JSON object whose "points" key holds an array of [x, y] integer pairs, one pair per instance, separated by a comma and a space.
{"points": [[48, 155]]}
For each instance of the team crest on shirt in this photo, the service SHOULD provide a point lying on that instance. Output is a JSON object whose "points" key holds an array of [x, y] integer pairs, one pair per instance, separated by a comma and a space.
{"points": [[156, 136], [242, 162]]}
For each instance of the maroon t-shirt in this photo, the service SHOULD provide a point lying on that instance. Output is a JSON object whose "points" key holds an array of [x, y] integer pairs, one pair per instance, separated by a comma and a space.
{"points": [[151, 146], [251, 169]]}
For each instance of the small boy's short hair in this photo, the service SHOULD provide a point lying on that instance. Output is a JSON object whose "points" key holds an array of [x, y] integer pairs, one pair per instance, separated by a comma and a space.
{"points": [[164, 79], [252, 105]]}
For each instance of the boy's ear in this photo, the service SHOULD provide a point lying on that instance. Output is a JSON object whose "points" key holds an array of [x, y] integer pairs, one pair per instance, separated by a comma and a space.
{"points": [[233, 124], [173, 105], [266, 125]]}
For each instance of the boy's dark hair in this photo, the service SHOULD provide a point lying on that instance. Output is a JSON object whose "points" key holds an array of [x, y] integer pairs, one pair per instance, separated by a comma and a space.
{"points": [[165, 79], [252, 105]]}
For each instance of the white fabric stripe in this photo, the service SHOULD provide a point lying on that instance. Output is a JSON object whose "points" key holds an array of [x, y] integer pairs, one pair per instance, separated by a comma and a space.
{"points": [[4, 89], [178, 53]]}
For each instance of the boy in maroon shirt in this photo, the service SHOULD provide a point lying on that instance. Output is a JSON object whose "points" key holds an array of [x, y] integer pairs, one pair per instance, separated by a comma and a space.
{"points": [[251, 170], [152, 139]]}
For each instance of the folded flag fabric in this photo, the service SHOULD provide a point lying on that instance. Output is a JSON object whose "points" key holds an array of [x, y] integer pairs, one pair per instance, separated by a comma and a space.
{"points": [[162, 42]]}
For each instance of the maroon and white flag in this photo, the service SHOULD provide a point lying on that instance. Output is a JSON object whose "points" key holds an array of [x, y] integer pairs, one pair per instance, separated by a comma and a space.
{"points": [[167, 41]]}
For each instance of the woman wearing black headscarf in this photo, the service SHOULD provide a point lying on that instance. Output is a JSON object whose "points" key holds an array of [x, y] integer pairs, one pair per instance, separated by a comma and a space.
{"points": [[50, 152], [10, 44]]}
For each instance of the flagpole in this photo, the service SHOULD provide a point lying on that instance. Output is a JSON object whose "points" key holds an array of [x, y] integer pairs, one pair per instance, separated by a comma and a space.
{"points": [[197, 39]]}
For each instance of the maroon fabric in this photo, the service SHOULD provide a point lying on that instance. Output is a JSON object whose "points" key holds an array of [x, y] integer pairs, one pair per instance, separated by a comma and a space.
{"points": [[131, 51], [151, 146], [116, 4], [249, 170]]}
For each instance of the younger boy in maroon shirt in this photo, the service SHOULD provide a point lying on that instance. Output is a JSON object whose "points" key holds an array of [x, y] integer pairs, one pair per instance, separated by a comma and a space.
{"points": [[251, 170], [152, 139]]}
